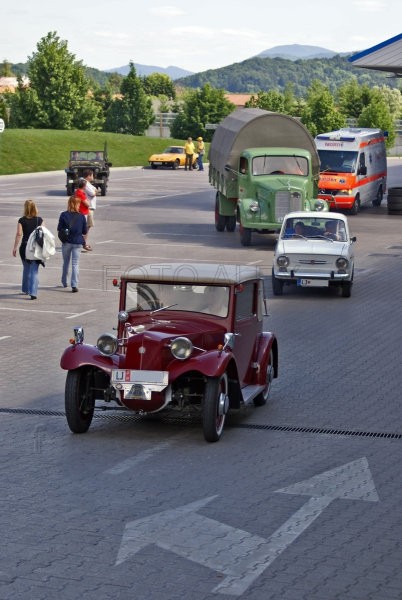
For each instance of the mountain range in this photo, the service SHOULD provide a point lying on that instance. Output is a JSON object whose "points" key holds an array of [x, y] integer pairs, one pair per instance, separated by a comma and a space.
{"points": [[289, 52]]}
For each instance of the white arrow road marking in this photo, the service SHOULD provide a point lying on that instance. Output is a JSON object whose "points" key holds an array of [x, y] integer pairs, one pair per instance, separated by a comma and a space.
{"points": [[239, 555]]}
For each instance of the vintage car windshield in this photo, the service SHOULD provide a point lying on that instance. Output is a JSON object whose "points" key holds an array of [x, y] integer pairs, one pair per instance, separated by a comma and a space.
{"points": [[150, 296], [280, 165], [337, 162], [314, 228]]}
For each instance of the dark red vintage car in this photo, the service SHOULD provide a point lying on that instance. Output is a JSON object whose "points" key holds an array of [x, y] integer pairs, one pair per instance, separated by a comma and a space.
{"points": [[189, 339]]}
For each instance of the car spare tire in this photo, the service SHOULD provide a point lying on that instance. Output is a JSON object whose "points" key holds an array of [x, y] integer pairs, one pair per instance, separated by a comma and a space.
{"points": [[394, 201]]}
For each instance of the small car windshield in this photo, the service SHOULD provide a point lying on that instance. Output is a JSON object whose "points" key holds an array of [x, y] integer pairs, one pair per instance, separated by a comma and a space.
{"points": [[324, 228], [151, 296], [173, 150]]}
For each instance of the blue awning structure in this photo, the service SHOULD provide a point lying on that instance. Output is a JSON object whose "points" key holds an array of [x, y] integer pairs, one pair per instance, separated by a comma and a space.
{"points": [[386, 56]]}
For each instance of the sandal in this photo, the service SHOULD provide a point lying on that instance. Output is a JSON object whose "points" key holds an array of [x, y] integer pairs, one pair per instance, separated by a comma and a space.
{"points": [[87, 247]]}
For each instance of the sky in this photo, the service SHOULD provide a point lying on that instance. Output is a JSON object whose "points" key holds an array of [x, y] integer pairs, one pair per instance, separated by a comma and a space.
{"points": [[195, 36]]}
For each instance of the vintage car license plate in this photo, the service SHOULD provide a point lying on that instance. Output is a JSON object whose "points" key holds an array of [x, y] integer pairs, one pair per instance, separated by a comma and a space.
{"points": [[312, 282], [140, 377]]}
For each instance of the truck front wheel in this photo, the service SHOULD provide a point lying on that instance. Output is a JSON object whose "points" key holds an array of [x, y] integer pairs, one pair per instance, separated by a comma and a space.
{"points": [[245, 236]]}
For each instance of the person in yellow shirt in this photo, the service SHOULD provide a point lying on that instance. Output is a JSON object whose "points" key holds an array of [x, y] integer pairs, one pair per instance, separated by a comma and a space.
{"points": [[201, 152], [189, 150]]}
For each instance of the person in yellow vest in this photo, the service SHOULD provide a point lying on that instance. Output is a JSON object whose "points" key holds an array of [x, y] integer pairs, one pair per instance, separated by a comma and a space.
{"points": [[201, 152], [189, 150]]}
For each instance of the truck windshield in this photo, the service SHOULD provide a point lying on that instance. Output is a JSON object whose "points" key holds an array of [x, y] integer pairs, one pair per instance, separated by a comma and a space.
{"points": [[337, 161], [280, 165]]}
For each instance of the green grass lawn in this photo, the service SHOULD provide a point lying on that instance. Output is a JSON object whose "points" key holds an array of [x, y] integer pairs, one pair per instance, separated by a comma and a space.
{"points": [[36, 150]]}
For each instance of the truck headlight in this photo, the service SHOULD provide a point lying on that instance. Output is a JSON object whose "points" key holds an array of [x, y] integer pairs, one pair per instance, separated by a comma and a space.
{"points": [[342, 263], [181, 348], [282, 261], [319, 205], [107, 344], [254, 206]]}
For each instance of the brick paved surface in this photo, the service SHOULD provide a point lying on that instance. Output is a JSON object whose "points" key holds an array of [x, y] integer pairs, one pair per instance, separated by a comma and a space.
{"points": [[68, 500]]}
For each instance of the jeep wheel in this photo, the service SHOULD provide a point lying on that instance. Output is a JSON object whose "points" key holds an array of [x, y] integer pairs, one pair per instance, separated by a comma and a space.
{"points": [[103, 188], [262, 398], [215, 407], [79, 402], [70, 190]]}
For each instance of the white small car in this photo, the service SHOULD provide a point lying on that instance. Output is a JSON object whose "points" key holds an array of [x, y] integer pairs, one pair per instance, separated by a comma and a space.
{"points": [[314, 250]]}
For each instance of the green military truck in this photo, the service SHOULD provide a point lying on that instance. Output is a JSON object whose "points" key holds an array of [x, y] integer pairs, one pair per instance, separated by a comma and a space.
{"points": [[263, 166]]}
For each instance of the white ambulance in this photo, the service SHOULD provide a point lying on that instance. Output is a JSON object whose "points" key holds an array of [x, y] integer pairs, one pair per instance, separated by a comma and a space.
{"points": [[353, 168]]}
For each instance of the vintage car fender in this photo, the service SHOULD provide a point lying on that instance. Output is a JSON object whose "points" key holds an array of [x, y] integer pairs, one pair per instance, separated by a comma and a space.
{"points": [[80, 355], [267, 342], [210, 364]]}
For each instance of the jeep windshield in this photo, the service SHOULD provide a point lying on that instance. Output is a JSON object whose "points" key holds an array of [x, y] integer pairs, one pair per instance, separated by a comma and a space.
{"points": [[86, 155], [151, 296]]}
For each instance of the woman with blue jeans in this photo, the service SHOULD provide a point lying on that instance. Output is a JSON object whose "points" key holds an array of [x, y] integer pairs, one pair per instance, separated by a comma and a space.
{"points": [[26, 225], [76, 224]]}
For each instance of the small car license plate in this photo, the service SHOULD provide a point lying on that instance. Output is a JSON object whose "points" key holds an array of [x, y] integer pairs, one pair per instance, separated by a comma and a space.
{"points": [[312, 282], [157, 162]]}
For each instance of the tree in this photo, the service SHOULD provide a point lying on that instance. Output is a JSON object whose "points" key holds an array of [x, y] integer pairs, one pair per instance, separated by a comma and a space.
{"points": [[206, 105], [319, 113], [132, 113], [377, 115], [159, 84], [352, 98], [59, 89], [5, 69], [272, 100]]}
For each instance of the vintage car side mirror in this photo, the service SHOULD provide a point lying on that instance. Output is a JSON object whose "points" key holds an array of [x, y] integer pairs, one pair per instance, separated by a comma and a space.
{"points": [[229, 341]]}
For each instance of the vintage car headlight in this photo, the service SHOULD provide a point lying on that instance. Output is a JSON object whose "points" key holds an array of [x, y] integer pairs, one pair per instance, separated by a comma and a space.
{"points": [[254, 206], [107, 344], [122, 316], [181, 348], [282, 261], [342, 262]]}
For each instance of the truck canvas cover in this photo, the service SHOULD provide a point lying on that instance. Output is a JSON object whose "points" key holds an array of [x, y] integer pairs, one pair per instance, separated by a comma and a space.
{"points": [[254, 127]]}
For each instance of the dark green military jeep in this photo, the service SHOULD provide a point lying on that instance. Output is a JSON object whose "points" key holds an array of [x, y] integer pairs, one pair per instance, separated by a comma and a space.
{"points": [[80, 160]]}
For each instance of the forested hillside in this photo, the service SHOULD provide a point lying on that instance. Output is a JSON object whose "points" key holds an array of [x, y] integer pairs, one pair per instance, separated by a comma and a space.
{"points": [[256, 74]]}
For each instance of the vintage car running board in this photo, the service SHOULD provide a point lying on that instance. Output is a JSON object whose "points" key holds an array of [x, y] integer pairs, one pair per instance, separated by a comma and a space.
{"points": [[250, 392]]}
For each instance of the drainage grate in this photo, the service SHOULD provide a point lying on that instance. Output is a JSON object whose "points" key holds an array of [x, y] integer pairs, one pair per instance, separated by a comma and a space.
{"points": [[126, 415]]}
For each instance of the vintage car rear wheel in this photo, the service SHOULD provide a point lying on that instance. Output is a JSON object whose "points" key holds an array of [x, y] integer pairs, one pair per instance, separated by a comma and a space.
{"points": [[215, 407], [79, 402], [262, 398]]}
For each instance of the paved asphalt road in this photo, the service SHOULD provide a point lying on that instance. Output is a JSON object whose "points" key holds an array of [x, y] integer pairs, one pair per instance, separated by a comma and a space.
{"points": [[300, 500]]}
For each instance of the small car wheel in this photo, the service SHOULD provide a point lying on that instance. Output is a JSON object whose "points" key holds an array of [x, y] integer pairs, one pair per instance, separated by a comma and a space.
{"points": [[262, 398], [277, 285], [79, 403], [215, 407], [154, 166], [176, 164], [346, 289]]}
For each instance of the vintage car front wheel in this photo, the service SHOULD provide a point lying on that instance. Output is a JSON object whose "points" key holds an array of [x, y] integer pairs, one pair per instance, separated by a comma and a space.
{"points": [[79, 402], [215, 407]]}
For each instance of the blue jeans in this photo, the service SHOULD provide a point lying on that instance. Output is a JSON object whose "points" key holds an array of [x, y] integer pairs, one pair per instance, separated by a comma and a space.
{"points": [[200, 165], [71, 252], [30, 279]]}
